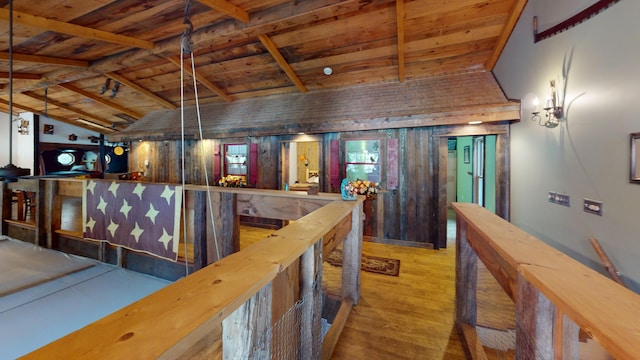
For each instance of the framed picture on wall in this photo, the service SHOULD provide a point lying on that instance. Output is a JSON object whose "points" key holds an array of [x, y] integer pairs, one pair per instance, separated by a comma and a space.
{"points": [[635, 158], [48, 129], [467, 154]]}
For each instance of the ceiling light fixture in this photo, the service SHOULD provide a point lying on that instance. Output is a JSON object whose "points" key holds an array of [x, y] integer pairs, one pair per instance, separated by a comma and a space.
{"points": [[475, 122], [327, 71]]}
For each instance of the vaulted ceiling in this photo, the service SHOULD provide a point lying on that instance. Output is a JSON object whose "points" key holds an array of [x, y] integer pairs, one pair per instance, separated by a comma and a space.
{"points": [[70, 55]]}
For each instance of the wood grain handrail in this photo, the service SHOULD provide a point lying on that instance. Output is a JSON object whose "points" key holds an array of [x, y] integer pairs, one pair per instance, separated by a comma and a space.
{"points": [[576, 290], [175, 318]]}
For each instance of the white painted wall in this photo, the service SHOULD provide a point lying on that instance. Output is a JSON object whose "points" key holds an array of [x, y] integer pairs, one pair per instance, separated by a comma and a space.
{"points": [[23, 151], [588, 155]]}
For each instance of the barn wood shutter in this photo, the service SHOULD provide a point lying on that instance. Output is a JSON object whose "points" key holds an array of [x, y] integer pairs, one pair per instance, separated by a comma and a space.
{"points": [[392, 164], [334, 164]]}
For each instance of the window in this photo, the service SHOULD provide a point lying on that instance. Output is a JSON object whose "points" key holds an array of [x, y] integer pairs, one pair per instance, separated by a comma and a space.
{"points": [[362, 160], [235, 159], [66, 158]]}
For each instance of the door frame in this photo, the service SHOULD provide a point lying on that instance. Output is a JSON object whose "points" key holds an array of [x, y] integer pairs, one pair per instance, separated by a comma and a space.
{"points": [[440, 138]]}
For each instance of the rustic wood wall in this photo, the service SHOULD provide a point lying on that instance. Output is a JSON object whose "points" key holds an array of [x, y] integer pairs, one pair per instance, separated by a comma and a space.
{"points": [[410, 212]]}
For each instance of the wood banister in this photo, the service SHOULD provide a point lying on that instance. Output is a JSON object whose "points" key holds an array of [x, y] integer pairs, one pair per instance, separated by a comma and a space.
{"points": [[601, 307]]}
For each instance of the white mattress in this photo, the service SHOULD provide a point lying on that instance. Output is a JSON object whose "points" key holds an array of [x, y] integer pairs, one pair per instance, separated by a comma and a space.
{"points": [[35, 316]]}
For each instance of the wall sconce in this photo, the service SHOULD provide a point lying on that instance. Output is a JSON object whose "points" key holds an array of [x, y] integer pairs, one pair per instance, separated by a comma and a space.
{"points": [[553, 111]]}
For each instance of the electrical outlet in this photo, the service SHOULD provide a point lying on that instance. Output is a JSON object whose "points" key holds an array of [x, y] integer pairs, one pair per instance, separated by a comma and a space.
{"points": [[593, 207], [563, 199], [552, 197]]}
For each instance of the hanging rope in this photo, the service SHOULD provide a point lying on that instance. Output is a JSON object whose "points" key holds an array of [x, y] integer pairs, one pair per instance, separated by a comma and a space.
{"points": [[186, 47]]}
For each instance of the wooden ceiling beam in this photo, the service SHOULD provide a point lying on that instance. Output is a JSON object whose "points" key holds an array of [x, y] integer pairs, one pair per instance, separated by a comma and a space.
{"points": [[201, 79], [400, 35], [130, 84], [102, 121], [45, 60], [227, 8], [509, 25], [18, 75], [284, 65], [74, 30], [100, 100], [40, 112]]}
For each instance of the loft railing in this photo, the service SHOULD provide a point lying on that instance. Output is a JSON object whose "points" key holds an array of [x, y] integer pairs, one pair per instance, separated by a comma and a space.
{"points": [[230, 308], [555, 296]]}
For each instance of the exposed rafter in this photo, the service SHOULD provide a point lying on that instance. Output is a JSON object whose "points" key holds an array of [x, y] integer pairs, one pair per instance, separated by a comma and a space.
{"points": [[400, 35], [61, 105], [96, 98], [130, 84], [40, 112], [75, 30], [284, 65], [201, 79], [45, 60], [227, 8], [15, 75]]}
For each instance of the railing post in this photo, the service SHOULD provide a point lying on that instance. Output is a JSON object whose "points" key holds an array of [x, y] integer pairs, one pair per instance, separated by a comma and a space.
{"points": [[311, 295], [352, 257], [5, 201], [534, 321], [246, 333]]}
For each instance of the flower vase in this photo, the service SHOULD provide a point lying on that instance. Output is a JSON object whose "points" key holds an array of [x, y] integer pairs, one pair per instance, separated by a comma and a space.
{"points": [[346, 194]]}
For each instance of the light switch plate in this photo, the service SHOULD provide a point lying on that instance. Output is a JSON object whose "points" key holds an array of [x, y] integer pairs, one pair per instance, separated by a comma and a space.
{"points": [[593, 206]]}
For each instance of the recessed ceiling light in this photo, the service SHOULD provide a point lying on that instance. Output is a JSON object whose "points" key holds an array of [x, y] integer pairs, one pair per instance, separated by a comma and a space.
{"points": [[327, 71], [475, 122]]}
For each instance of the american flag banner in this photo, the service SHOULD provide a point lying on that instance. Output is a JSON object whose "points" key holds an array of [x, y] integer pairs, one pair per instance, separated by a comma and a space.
{"points": [[138, 216]]}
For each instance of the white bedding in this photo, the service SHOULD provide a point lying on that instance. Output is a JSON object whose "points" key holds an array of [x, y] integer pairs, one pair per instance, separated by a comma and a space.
{"points": [[49, 310]]}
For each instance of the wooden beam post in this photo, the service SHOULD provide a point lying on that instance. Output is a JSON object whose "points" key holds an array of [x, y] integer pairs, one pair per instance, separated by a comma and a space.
{"points": [[311, 296], [245, 333], [223, 236], [352, 256], [5, 200], [534, 320], [53, 210], [466, 277]]}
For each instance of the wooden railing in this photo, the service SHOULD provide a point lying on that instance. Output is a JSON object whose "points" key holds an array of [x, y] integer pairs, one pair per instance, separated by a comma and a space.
{"points": [[555, 296], [227, 308]]}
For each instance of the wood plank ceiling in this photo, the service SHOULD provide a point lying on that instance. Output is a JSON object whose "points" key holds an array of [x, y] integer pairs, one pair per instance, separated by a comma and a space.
{"points": [[69, 54]]}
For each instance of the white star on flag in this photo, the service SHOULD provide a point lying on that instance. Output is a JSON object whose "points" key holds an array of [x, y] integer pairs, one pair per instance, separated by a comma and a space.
{"points": [[152, 213], [91, 223], [125, 208], [165, 238], [112, 228], [138, 190], [136, 232], [91, 185], [113, 188], [167, 194], [102, 206]]}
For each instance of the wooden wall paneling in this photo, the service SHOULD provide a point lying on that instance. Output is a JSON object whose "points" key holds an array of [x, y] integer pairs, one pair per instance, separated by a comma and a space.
{"points": [[401, 195], [411, 168], [440, 154], [424, 187], [503, 166]]}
